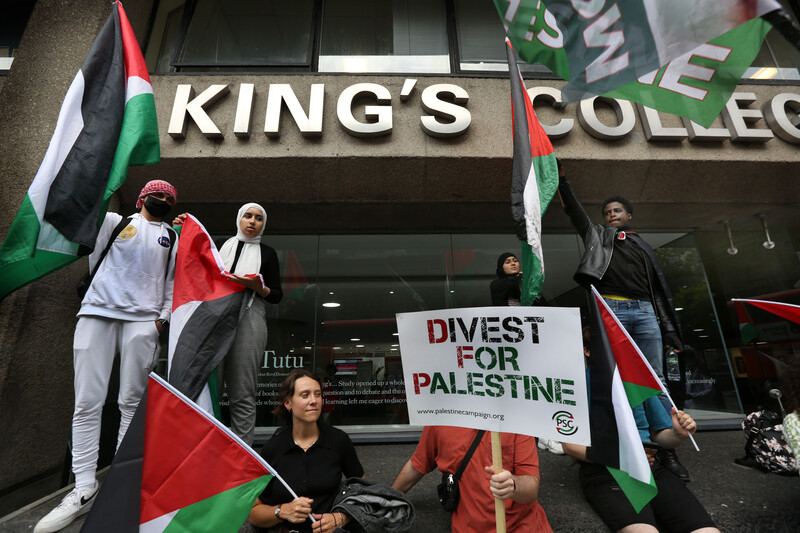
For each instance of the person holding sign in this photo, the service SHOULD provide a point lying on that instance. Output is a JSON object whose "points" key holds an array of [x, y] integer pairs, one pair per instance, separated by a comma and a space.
{"points": [[311, 456], [445, 447]]}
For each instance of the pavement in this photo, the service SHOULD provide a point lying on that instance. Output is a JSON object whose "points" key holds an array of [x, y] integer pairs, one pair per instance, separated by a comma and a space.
{"points": [[739, 499]]}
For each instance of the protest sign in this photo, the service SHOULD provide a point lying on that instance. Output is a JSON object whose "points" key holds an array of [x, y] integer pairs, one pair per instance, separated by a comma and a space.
{"points": [[507, 369]]}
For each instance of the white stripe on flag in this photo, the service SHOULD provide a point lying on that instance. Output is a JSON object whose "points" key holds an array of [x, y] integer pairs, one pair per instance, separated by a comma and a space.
{"points": [[68, 127], [137, 86], [533, 214], [157, 525], [178, 320], [680, 26], [632, 458]]}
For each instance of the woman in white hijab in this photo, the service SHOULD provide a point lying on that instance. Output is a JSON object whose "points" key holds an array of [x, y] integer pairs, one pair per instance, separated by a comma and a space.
{"points": [[245, 255]]}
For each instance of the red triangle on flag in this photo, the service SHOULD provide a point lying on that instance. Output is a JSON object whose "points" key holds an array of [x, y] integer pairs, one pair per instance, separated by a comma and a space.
{"points": [[200, 267], [633, 368], [188, 457]]}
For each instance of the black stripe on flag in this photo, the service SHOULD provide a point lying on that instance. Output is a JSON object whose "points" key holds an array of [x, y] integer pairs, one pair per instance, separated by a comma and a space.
{"points": [[203, 342], [119, 499], [602, 419], [521, 166], [76, 195]]}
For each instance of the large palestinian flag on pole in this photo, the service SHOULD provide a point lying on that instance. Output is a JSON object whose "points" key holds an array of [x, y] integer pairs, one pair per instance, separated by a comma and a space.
{"points": [[788, 311], [194, 474], [106, 123], [206, 308], [534, 180], [620, 379]]}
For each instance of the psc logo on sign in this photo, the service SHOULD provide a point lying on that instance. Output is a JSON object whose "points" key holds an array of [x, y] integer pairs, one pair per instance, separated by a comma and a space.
{"points": [[565, 423]]}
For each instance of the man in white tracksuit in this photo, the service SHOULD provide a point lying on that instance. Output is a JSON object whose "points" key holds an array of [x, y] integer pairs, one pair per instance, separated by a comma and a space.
{"points": [[127, 305]]}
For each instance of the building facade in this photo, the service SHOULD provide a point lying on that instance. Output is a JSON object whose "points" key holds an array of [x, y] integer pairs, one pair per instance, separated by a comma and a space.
{"points": [[377, 135]]}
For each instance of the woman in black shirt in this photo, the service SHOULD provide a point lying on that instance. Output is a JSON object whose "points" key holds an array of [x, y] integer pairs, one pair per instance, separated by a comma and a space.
{"points": [[311, 457]]}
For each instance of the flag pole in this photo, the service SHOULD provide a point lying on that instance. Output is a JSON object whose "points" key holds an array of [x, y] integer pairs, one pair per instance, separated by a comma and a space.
{"points": [[497, 466]]}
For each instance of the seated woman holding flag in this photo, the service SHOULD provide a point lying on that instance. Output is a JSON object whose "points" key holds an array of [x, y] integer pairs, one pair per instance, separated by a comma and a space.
{"points": [[311, 457]]}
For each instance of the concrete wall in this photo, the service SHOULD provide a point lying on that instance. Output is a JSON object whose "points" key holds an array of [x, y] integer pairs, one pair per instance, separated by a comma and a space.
{"points": [[36, 322]]}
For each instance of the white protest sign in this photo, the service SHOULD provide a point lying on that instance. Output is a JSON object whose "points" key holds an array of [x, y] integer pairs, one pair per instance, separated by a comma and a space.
{"points": [[508, 369]]}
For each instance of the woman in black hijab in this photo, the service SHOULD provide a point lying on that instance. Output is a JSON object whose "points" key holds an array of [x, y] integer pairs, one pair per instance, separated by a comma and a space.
{"points": [[506, 288]]}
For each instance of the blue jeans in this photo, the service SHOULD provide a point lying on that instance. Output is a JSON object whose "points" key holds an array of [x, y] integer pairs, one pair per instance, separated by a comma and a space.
{"points": [[639, 319]]}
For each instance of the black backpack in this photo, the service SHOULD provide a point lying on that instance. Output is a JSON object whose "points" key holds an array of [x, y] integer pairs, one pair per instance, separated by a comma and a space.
{"points": [[766, 448]]}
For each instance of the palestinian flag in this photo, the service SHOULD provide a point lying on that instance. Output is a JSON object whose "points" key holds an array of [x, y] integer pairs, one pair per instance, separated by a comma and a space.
{"points": [[788, 311], [620, 379], [635, 51], [610, 44], [106, 123], [747, 329], [206, 308], [193, 473], [534, 180]]}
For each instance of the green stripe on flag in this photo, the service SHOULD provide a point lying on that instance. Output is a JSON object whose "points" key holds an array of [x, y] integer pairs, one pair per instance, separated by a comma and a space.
{"points": [[637, 492], [748, 332], [20, 261], [222, 513], [138, 140], [699, 99], [20, 243], [638, 393]]}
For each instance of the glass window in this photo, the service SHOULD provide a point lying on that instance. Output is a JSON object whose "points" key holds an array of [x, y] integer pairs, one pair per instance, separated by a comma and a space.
{"points": [[386, 36], [246, 33], [13, 20], [169, 44], [777, 59], [481, 39]]}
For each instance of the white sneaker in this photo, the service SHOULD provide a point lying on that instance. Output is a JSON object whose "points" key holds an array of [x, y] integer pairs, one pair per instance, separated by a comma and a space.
{"points": [[552, 446], [74, 504]]}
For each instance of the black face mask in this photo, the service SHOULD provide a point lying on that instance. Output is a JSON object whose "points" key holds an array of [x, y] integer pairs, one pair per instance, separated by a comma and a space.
{"points": [[157, 208]]}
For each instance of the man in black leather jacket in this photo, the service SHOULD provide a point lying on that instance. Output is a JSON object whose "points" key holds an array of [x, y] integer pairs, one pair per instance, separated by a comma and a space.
{"points": [[624, 270]]}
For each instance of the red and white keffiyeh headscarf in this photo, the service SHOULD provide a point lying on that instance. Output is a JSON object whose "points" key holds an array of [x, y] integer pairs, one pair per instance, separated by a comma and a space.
{"points": [[156, 186]]}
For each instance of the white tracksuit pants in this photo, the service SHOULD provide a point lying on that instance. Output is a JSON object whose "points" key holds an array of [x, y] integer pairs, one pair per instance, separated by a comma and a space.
{"points": [[96, 342]]}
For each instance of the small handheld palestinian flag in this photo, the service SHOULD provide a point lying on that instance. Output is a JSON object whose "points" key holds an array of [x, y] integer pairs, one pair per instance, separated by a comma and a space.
{"points": [[619, 380], [178, 469], [534, 180], [106, 123]]}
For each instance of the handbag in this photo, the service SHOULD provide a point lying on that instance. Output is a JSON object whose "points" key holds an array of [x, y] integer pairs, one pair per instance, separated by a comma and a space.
{"points": [[448, 488]]}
